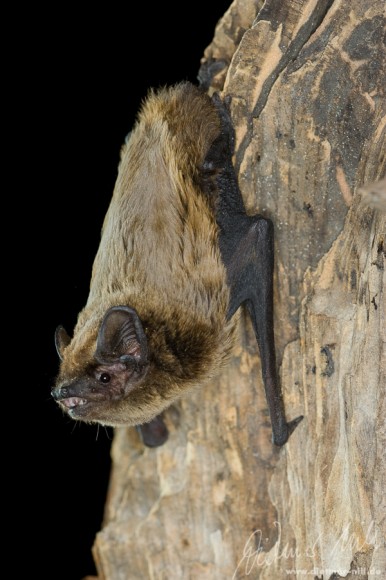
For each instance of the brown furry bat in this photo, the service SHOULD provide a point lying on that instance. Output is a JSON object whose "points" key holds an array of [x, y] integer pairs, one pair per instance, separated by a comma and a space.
{"points": [[177, 257]]}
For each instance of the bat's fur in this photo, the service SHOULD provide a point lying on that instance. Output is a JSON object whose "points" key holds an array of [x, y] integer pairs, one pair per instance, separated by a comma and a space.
{"points": [[159, 254]]}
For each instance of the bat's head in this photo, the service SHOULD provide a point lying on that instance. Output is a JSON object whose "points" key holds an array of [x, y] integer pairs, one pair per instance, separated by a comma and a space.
{"points": [[90, 385]]}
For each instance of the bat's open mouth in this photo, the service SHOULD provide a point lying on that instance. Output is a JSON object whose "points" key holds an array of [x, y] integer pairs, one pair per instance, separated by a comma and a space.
{"points": [[73, 402]]}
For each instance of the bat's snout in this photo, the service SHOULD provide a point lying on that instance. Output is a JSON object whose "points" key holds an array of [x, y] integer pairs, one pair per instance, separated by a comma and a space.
{"points": [[67, 398], [59, 393]]}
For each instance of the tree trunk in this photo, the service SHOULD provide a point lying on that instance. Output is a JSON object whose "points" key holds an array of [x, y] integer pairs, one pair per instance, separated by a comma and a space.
{"points": [[307, 80]]}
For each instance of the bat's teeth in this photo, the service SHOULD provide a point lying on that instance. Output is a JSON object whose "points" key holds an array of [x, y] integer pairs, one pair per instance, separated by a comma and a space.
{"points": [[72, 402]]}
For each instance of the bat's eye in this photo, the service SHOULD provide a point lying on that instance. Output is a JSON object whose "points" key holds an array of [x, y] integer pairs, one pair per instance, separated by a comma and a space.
{"points": [[105, 378]]}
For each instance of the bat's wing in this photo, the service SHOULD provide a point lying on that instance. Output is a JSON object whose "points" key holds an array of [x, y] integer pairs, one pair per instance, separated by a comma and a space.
{"points": [[246, 244]]}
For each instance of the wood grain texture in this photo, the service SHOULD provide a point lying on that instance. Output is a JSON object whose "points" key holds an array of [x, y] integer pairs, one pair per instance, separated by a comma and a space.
{"points": [[307, 81]]}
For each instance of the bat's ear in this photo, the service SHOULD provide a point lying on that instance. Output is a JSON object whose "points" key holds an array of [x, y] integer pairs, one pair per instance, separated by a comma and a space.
{"points": [[121, 337], [61, 340]]}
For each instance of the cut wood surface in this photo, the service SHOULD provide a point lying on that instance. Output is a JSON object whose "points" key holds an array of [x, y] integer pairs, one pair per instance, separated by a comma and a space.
{"points": [[307, 80]]}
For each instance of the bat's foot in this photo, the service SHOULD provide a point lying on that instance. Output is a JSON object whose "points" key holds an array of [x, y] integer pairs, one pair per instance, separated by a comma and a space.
{"points": [[281, 438], [209, 69], [155, 433]]}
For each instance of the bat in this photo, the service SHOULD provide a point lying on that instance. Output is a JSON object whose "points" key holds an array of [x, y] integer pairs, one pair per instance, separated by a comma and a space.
{"points": [[177, 258]]}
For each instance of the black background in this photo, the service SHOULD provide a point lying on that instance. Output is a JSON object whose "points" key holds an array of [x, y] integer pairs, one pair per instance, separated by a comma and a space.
{"points": [[83, 78]]}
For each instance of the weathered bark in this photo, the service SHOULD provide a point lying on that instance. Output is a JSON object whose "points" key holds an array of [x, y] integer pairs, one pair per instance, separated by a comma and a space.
{"points": [[307, 82]]}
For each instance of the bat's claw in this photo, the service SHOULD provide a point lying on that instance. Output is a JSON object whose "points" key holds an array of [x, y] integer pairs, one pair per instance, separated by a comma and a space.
{"points": [[294, 423], [281, 438]]}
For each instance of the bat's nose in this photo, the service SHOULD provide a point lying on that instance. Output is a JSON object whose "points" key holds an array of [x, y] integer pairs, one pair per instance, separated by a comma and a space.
{"points": [[59, 393]]}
